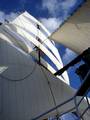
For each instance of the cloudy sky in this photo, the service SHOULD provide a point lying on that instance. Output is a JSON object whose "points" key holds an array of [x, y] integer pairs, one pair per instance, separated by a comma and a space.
{"points": [[51, 13]]}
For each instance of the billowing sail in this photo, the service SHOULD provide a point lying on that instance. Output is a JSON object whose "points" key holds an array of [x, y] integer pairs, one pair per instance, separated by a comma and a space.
{"points": [[75, 32], [26, 33], [27, 89]]}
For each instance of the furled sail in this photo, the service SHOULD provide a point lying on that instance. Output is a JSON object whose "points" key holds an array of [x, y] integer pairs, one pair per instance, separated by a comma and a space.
{"points": [[75, 32], [26, 33], [27, 89]]}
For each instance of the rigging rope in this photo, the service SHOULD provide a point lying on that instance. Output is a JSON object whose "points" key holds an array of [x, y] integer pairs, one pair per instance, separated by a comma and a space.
{"points": [[52, 94]]}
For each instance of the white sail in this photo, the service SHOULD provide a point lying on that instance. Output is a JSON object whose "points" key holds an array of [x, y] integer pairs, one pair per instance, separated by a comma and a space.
{"points": [[46, 65], [24, 98], [29, 24], [75, 32], [23, 32], [24, 23], [14, 40]]}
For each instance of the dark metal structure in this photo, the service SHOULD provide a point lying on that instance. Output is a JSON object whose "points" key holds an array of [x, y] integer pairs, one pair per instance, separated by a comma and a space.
{"points": [[82, 91]]}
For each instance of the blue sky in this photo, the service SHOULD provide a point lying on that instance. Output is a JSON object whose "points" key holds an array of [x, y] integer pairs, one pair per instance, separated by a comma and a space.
{"points": [[51, 13]]}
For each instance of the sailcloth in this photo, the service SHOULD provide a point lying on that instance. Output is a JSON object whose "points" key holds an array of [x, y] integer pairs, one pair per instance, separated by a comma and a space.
{"points": [[27, 89], [25, 33], [75, 32]]}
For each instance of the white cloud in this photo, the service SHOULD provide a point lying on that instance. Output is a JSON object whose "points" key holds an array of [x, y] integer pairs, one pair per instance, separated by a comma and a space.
{"points": [[57, 7], [68, 3], [50, 5], [69, 116], [2, 16], [68, 56], [9, 16], [51, 23]]}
